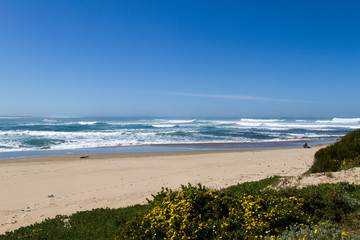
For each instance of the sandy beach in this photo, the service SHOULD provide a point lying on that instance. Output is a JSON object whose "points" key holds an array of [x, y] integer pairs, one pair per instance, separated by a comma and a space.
{"points": [[34, 189]]}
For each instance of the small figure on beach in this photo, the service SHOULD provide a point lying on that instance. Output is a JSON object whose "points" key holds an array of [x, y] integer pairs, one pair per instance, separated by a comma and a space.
{"points": [[306, 145]]}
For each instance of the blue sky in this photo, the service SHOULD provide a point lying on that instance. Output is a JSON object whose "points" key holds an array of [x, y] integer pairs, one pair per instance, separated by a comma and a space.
{"points": [[180, 58]]}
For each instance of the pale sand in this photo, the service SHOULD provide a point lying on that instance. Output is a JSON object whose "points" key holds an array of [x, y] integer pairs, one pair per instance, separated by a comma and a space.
{"points": [[351, 176], [118, 180]]}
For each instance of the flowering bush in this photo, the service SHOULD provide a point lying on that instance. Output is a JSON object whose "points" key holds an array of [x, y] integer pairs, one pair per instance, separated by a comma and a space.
{"points": [[199, 213], [244, 211], [322, 230]]}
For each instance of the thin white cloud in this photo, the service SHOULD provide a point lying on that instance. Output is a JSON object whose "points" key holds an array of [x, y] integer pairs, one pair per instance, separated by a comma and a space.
{"points": [[243, 97]]}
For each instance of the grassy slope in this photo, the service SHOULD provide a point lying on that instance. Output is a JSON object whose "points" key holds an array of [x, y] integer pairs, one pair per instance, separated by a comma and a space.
{"points": [[341, 155]]}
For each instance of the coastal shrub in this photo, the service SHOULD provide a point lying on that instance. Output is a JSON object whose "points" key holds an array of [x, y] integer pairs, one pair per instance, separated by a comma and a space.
{"points": [[327, 202], [199, 213], [95, 224], [244, 211], [338, 156], [322, 230]]}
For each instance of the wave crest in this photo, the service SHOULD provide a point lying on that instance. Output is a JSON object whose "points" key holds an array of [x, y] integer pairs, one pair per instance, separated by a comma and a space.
{"points": [[163, 126]]}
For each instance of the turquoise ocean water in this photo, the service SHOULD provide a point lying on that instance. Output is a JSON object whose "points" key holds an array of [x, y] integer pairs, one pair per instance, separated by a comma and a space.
{"points": [[24, 136]]}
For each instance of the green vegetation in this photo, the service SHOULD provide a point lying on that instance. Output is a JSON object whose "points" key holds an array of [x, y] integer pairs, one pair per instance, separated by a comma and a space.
{"points": [[252, 187], [322, 230], [344, 154], [199, 213], [245, 211], [95, 224]]}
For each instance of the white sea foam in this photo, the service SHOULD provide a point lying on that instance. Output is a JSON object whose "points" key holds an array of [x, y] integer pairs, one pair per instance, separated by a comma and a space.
{"points": [[133, 131], [128, 123], [340, 120], [346, 120], [54, 134], [164, 126], [261, 120], [180, 121], [50, 120], [11, 117], [309, 126], [219, 122], [87, 123], [249, 124]]}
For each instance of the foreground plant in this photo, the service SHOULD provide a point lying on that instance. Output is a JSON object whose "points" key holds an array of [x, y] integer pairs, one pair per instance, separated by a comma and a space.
{"points": [[199, 213], [344, 154], [244, 211], [322, 230]]}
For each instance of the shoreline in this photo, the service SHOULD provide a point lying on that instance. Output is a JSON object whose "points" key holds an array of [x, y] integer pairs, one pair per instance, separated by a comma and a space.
{"points": [[99, 156], [176, 147], [119, 180]]}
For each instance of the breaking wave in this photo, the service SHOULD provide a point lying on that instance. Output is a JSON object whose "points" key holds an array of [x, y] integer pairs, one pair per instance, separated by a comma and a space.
{"points": [[24, 134]]}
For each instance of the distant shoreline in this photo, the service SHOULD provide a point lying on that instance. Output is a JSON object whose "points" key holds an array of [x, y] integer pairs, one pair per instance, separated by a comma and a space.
{"points": [[29, 137], [154, 148]]}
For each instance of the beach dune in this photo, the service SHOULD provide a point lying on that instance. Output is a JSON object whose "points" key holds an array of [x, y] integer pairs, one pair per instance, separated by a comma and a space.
{"points": [[34, 189]]}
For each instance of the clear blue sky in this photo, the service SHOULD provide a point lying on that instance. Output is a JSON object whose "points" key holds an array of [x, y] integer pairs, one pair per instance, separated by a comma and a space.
{"points": [[180, 58]]}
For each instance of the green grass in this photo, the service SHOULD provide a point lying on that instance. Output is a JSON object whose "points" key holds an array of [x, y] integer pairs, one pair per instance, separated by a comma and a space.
{"points": [[342, 155], [94, 224], [252, 187]]}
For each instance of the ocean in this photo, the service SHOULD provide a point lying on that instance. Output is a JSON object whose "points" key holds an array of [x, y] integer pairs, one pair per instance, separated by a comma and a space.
{"points": [[25, 136]]}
